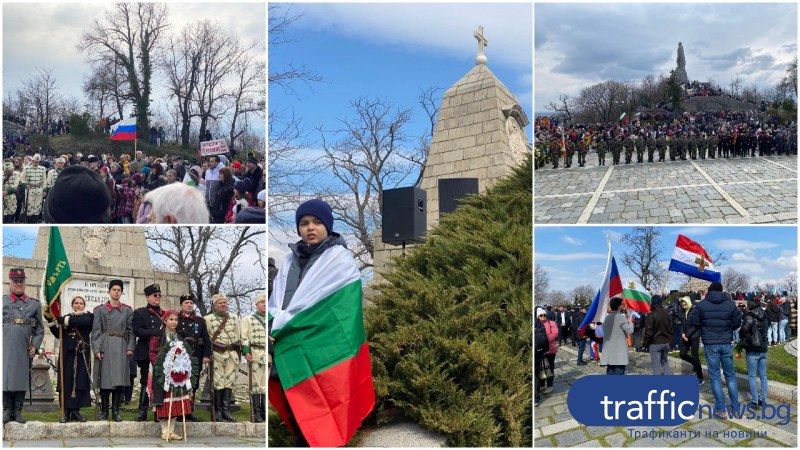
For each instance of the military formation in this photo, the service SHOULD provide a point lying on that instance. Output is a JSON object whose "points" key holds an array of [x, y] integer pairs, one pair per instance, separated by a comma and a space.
{"points": [[653, 142], [98, 348]]}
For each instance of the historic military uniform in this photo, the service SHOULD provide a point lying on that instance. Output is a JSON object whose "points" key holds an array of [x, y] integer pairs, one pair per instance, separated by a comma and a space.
{"points": [[33, 178], [23, 328], [146, 324], [10, 185], [112, 335], [192, 328], [225, 334], [254, 342], [75, 329]]}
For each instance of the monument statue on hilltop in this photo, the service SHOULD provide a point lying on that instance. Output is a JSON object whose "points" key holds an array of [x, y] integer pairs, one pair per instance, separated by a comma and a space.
{"points": [[680, 72]]}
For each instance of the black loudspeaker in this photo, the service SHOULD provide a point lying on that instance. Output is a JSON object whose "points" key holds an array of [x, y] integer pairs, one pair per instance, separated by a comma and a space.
{"points": [[452, 191], [403, 215]]}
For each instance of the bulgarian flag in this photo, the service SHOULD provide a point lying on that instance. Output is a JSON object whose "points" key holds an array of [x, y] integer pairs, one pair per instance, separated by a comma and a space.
{"points": [[610, 287], [636, 298], [320, 350], [124, 130], [56, 275]]}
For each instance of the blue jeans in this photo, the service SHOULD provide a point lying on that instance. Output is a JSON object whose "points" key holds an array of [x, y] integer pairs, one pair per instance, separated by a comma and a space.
{"points": [[757, 366], [716, 355], [736, 335], [772, 332], [615, 370], [788, 331], [581, 348], [782, 330]]}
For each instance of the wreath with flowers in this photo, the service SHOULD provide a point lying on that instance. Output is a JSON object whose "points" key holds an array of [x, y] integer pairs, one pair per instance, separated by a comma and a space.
{"points": [[175, 369]]}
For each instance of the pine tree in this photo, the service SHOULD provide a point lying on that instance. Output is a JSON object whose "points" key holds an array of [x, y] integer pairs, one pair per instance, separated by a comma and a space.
{"points": [[450, 333]]}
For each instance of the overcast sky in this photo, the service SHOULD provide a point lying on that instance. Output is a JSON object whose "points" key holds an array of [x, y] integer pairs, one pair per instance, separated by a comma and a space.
{"points": [[45, 35], [575, 256], [577, 45]]}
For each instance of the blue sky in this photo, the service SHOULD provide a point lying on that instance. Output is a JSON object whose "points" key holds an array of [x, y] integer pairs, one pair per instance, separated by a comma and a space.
{"points": [[390, 51], [576, 256], [580, 44]]}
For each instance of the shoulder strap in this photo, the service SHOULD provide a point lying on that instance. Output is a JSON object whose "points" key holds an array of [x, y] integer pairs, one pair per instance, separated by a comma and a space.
{"points": [[260, 320], [220, 328]]}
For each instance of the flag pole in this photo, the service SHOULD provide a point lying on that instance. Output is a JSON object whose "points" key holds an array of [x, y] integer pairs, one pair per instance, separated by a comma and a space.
{"points": [[666, 278]]}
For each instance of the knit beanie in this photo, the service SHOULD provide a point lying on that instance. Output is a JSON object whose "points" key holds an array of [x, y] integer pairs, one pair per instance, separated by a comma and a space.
{"points": [[317, 208]]}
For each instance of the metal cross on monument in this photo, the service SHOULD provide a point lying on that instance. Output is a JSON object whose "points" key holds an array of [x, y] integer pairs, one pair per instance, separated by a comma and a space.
{"points": [[482, 42], [701, 263]]}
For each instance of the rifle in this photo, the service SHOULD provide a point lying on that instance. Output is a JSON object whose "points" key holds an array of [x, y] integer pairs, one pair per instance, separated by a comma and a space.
{"points": [[250, 391]]}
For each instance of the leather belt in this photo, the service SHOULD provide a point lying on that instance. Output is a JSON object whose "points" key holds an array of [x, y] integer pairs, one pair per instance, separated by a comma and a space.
{"points": [[114, 333], [31, 322]]}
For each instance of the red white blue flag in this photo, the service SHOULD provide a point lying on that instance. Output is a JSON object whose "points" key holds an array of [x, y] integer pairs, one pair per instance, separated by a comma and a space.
{"points": [[691, 258], [124, 130], [611, 287]]}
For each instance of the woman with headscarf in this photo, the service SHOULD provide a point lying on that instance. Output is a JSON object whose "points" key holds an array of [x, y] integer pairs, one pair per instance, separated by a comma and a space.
{"points": [[76, 354]]}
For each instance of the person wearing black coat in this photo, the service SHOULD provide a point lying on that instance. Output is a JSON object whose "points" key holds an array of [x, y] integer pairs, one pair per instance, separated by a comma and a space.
{"points": [[774, 316], [786, 306], [220, 202], [192, 328], [146, 324], [754, 335], [564, 322], [538, 356], [76, 354], [658, 336], [690, 340], [577, 320]]}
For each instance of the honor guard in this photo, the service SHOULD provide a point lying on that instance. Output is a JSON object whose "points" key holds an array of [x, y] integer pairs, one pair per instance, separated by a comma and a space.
{"points": [[254, 341], [226, 344], [192, 328], [147, 323], [23, 332]]}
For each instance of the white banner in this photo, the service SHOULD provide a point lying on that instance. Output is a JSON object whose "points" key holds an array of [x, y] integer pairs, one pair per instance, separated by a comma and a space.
{"points": [[217, 147]]}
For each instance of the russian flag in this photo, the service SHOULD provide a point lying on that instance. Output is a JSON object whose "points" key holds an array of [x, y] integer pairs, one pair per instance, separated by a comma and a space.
{"points": [[124, 130], [611, 287], [691, 258]]}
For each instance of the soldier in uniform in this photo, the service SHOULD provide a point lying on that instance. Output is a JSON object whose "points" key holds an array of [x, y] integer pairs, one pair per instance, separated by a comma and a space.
{"points": [[582, 153], [570, 154], [641, 143], [724, 141], [33, 178], [10, 185], [691, 142], [628, 144], [713, 142], [192, 328], [23, 332], [254, 341], [616, 149], [225, 340], [661, 144], [113, 342], [52, 175], [601, 152], [702, 144], [555, 152], [146, 324], [651, 147]]}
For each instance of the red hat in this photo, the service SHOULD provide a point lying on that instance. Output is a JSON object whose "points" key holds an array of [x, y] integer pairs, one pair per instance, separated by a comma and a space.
{"points": [[16, 273], [237, 165]]}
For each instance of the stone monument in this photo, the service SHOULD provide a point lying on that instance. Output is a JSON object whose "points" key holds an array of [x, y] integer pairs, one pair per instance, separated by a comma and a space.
{"points": [[480, 133], [680, 71]]}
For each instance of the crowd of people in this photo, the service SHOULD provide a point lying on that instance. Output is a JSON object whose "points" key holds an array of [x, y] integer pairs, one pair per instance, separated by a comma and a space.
{"points": [[43, 187], [723, 324], [100, 347], [656, 136]]}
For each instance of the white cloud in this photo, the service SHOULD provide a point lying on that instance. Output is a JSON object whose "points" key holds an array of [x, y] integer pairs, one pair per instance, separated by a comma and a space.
{"points": [[571, 240], [569, 256], [615, 236], [741, 244], [693, 231]]}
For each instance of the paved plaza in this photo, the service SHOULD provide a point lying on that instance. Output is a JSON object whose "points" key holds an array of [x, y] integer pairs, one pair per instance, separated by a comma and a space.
{"points": [[711, 191], [555, 427]]}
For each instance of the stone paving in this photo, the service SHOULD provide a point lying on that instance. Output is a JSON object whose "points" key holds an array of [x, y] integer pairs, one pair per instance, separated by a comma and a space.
{"points": [[555, 427], [140, 442], [712, 191]]}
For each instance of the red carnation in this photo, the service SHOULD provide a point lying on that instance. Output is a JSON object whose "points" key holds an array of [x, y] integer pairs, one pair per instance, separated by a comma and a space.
{"points": [[179, 377]]}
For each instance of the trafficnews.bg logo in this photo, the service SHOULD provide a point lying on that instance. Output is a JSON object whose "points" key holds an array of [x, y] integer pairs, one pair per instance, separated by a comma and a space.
{"points": [[651, 400]]}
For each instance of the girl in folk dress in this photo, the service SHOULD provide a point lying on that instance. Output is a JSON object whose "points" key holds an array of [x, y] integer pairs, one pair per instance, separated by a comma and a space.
{"points": [[175, 372]]}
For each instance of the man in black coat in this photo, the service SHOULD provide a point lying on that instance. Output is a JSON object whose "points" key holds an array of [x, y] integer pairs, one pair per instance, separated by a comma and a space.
{"points": [[577, 320], [194, 330], [564, 322], [146, 324]]}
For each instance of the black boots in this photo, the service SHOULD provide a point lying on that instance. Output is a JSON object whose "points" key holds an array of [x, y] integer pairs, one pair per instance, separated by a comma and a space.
{"points": [[19, 400], [76, 415], [116, 398], [256, 405], [104, 394], [143, 403], [8, 407], [222, 399], [67, 415]]}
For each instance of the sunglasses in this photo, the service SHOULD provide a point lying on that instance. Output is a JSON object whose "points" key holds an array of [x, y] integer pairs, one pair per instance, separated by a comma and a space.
{"points": [[156, 295]]}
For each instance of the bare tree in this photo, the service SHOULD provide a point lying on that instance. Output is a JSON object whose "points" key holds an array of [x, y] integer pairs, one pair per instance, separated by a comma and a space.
{"points": [[583, 295], [791, 283], [789, 81], [541, 284], [129, 35], [287, 76], [735, 84], [212, 259], [643, 258], [765, 287], [367, 155], [735, 280], [41, 92], [558, 298], [428, 99], [604, 102], [246, 97], [180, 62], [563, 106]]}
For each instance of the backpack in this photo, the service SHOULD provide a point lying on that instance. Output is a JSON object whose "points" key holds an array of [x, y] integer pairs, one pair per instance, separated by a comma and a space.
{"points": [[753, 339]]}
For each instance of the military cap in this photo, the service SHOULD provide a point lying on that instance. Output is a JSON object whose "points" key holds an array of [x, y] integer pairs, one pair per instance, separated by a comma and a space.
{"points": [[187, 296], [16, 273], [154, 288], [113, 283]]}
